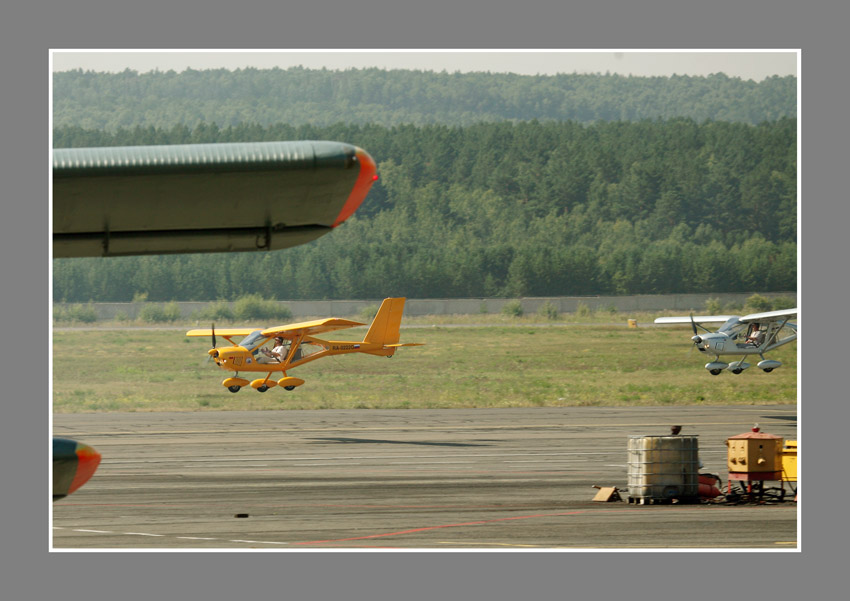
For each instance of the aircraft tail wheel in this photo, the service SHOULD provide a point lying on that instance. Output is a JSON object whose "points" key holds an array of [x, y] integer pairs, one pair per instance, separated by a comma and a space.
{"points": [[234, 388], [262, 388], [714, 372], [289, 387]]}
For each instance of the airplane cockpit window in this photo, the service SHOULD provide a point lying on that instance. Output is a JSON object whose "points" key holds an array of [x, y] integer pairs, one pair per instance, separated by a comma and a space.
{"points": [[252, 340], [308, 348], [736, 330], [732, 325]]}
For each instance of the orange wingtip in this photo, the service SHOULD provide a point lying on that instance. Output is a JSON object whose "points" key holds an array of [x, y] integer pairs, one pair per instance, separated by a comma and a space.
{"points": [[368, 176], [87, 461]]}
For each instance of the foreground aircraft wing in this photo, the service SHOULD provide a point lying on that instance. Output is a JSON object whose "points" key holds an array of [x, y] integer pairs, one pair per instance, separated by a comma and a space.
{"points": [[190, 198], [73, 464], [696, 319], [311, 328], [223, 332], [769, 316]]}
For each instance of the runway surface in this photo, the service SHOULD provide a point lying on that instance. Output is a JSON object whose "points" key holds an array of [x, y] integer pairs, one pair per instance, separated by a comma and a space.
{"points": [[503, 479]]}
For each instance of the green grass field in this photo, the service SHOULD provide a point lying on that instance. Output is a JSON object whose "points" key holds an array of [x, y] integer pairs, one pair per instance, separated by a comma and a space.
{"points": [[510, 364]]}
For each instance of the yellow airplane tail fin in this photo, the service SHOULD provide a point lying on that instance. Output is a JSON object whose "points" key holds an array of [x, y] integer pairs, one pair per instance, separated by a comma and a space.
{"points": [[384, 328]]}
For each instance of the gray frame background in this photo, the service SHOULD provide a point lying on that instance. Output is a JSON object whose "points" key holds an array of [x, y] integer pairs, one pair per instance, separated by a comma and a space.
{"points": [[28, 31]]}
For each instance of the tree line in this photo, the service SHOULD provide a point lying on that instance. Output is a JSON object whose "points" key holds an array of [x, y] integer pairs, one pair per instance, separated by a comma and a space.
{"points": [[538, 208], [321, 97]]}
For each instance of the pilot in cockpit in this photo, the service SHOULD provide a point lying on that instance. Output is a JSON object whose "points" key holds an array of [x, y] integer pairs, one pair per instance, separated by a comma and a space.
{"points": [[276, 355], [756, 335]]}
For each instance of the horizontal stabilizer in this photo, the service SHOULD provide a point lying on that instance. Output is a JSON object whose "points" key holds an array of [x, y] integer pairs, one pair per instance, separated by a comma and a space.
{"points": [[404, 344]]}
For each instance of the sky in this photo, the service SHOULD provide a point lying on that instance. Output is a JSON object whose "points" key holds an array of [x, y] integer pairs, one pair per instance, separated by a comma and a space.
{"points": [[746, 64]]}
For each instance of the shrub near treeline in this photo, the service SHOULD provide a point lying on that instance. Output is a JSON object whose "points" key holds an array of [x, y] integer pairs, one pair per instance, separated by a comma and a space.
{"points": [[255, 308]]}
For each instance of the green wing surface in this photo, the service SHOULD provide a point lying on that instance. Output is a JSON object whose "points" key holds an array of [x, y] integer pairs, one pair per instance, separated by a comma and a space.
{"points": [[203, 197]]}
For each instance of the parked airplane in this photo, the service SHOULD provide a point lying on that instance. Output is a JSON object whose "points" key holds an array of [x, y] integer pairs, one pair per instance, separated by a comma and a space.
{"points": [[753, 334]]}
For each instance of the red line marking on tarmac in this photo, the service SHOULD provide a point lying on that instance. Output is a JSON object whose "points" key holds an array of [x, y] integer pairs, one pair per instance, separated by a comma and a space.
{"points": [[476, 523]]}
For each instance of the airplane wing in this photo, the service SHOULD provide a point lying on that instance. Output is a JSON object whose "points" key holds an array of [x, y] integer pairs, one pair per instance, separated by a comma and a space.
{"points": [[223, 332], [138, 200], [73, 464], [311, 328], [697, 319], [769, 316]]}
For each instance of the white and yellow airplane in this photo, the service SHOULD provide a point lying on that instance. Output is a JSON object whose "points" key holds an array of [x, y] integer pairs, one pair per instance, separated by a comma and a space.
{"points": [[753, 334]]}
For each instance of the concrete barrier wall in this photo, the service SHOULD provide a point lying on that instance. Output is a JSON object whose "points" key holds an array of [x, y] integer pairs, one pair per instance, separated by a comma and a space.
{"points": [[469, 306]]}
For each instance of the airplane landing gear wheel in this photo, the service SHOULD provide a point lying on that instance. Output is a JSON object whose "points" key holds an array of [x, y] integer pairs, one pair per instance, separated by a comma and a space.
{"points": [[289, 387], [234, 388], [714, 372], [262, 388], [737, 371], [767, 370]]}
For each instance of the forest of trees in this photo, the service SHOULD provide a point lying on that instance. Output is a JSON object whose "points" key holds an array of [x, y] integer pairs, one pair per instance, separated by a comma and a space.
{"points": [[299, 96], [532, 208]]}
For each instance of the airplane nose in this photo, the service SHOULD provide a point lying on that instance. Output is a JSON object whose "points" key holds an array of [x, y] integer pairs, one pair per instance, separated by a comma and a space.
{"points": [[696, 339]]}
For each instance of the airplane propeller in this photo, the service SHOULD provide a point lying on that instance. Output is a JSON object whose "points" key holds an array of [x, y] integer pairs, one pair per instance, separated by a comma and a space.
{"points": [[696, 337], [213, 352]]}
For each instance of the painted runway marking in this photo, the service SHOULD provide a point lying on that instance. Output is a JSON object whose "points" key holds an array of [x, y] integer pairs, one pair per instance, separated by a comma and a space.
{"points": [[141, 534], [477, 523], [258, 542], [96, 531], [195, 538], [426, 528]]}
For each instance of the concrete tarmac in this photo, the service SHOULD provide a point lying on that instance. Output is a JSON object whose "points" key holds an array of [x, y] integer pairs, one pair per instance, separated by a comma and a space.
{"points": [[490, 479]]}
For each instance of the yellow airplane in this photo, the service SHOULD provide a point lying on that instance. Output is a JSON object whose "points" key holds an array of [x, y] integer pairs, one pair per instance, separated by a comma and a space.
{"points": [[295, 344]]}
